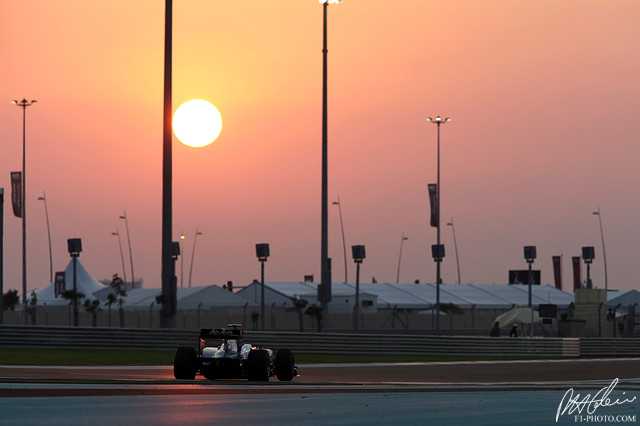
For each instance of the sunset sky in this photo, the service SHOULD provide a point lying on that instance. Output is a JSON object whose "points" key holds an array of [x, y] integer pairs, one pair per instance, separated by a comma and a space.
{"points": [[544, 98]]}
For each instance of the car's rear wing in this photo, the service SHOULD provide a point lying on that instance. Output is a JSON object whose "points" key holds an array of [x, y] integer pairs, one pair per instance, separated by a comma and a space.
{"points": [[220, 333]]}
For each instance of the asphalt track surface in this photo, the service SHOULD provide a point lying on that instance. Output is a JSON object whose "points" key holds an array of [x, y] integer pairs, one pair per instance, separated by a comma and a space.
{"points": [[443, 393]]}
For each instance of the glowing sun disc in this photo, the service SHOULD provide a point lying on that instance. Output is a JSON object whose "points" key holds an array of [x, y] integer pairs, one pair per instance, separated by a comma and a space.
{"points": [[197, 123]]}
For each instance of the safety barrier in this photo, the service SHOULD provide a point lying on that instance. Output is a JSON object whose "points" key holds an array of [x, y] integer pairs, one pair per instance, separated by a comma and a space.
{"points": [[330, 343], [408, 344], [600, 347], [95, 338]]}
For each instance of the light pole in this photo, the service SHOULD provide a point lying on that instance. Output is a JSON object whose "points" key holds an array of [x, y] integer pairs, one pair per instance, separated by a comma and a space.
{"points": [[604, 253], [1, 255], [126, 224], [46, 213], [262, 252], [124, 271], [169, 289], [193, 253], [358, 253], [455, 247], [438, 121], [325, 268], [182, 238], [24, 104], [74, 246], [344, 244], [588, 254], [530, 255], [402, 240]]}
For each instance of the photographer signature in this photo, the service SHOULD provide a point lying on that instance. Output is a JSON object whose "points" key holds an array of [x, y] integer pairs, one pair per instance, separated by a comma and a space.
{"points": [[589, 403]]}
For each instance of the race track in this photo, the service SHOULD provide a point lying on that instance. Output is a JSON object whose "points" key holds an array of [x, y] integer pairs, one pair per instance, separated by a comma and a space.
{"points": [[489, 392]]}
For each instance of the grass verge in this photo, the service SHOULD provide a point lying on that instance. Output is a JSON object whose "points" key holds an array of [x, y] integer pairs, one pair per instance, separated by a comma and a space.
{"points": [[37, 356]]}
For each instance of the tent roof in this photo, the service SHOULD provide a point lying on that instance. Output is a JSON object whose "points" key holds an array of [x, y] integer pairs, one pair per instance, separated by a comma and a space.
{"points": [[85, 284], [210, 297], [623, 297], [278, 293], [519, 314], [189, 298], [389, 297], [518, 294], [421, 296], [475, 295]]}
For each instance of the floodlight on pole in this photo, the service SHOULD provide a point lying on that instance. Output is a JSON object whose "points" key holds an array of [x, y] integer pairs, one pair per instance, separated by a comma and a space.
{"points": [[325, 263], [438, 121], [74, 246], [124, 270], [182, 238], [126, 223], [344, 243], [530, 255], [359, 254], [175, 253], [402, 240], [46, 213], [455, 247], [262, 252], [604, 253], [193, 253], [588, 254], [24, 104]]}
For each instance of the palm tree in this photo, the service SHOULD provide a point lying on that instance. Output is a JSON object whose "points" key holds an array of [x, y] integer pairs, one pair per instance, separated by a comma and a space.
{"points": [[300, 304], [120, 290], [73, 296], [93, 306], [315, 311], [254, 319], [10, 300], [31, 309], [111, 299]]}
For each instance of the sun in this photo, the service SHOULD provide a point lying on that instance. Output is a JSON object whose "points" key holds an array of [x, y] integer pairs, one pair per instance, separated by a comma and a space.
{"points": [[197, 123]]}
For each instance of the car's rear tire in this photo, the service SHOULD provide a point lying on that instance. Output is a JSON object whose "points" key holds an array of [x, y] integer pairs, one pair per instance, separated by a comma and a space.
{"points": [[285, 365], [185, 363], [258, 368]]}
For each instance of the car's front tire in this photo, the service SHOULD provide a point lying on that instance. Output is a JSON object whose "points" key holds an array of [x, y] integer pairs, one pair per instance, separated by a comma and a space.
{"points": [[258, 368], [185, 363]]}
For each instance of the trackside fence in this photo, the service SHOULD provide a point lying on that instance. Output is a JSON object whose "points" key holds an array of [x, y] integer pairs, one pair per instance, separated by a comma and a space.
{"points": [[330, 343]]}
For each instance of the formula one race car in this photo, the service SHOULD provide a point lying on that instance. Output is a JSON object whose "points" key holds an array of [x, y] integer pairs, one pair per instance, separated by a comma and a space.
{"points": [[232, 359]]}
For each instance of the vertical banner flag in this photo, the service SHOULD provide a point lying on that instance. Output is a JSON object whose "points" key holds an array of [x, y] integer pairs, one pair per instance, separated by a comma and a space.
{"points": [[433, 199], [557, 271], [58, 287], [577, 281], [16, 193]]}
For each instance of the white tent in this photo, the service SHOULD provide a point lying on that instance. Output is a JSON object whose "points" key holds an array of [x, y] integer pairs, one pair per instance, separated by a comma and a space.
{"points": [[188, 298], [623, 297], [420, 297], [210, 297], [85, 284], [519, 314]]}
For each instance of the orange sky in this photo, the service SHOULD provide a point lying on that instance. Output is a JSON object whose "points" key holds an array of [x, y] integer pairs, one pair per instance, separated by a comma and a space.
{"points": [[544, 98]]}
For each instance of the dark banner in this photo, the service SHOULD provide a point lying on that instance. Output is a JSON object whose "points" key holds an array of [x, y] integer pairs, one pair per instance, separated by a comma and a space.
{"points": [[16, 193], [577, 280], [433, 200], [557, 271], [59, 286]]}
